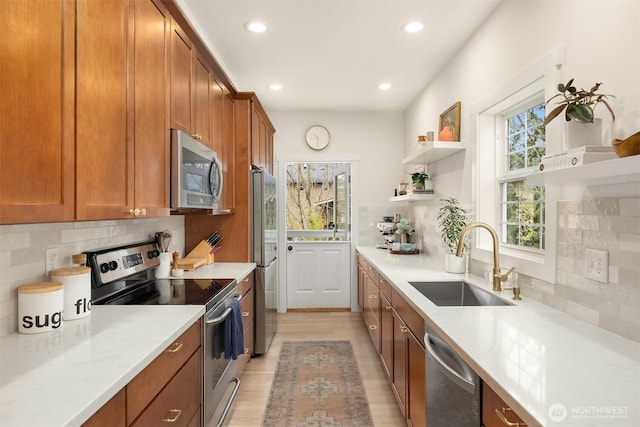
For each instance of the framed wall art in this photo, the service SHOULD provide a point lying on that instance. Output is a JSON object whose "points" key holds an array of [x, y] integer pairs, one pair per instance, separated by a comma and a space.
{"points": [[449, 125]]}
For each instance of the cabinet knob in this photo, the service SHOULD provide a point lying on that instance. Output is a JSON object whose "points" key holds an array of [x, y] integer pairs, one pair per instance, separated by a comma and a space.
{"points": [[172, 416], [372, 327], [373, 296]]}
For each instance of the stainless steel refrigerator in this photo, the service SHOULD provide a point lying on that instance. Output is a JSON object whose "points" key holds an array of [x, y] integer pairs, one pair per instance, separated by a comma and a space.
{"points": [[264, 239]]}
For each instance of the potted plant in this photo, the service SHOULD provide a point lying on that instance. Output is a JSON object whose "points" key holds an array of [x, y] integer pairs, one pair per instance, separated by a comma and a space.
{"points": [[404, 229], [452, 218], [580, 128], [419, 179]]}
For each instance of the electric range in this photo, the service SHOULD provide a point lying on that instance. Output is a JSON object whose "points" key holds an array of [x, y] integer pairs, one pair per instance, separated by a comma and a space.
{"points": [[124, 275]]}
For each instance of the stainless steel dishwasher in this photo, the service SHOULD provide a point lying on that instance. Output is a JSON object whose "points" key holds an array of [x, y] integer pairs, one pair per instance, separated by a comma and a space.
{"points": [[453, 388]]}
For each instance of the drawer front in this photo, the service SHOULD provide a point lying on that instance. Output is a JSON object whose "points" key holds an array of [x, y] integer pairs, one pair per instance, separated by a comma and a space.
{"points": [[246, 283], [373, 274], [492, 404], [179, 401], [148, 383], [385, 287], [247, 307], [112, 413], [243, 359], [408, 315]]}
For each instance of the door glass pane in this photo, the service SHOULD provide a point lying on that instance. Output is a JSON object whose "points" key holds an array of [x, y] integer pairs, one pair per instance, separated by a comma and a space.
{"points": [[318, 201]]}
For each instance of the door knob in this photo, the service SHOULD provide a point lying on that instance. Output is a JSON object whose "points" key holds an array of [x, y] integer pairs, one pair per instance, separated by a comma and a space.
{"points": [[290, 248]]}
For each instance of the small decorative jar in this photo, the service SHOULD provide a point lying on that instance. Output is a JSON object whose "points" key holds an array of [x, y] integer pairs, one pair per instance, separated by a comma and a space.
{"points": [[77, 290], [40, 307]]}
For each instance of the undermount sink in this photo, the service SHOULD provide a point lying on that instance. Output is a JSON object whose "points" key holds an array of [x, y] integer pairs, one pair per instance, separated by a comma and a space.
{"points": [[456, 294]]}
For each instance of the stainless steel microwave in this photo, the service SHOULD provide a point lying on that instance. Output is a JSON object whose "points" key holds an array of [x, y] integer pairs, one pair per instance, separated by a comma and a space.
{"points": [[196, 174]]}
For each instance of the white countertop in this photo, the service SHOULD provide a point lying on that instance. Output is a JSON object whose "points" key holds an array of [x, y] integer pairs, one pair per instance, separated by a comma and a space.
{"points": [[62, 377], [220, 270], [535, 357]]}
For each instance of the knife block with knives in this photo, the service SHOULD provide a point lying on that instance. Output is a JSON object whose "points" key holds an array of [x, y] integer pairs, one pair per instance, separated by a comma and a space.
{"points": [[202, 254]]}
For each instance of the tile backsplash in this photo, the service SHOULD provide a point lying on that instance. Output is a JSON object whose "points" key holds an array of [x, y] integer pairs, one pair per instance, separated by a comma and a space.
{"points": [[609, 224], [22, 253]]}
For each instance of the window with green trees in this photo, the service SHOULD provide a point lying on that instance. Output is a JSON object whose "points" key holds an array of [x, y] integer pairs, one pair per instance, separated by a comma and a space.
{"points": [[523, 206]]}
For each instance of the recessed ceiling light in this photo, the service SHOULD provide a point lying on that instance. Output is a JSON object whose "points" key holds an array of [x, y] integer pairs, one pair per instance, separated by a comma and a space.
{"points": [[384, 86], [413, 27], [255, 26], [275, 86]]}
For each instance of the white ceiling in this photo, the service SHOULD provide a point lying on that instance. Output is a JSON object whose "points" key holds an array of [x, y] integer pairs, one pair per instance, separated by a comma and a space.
{"points": [[331, 55]]}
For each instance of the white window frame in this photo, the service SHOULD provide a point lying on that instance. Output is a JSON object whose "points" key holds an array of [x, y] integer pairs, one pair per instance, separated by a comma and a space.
{"points": [[540, 76], [503, 174]]}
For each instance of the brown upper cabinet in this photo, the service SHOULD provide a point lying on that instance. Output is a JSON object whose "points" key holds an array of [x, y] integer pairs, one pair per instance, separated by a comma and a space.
{"points": [[122, 151], [192, 88], [37, 112], [261, 132]]}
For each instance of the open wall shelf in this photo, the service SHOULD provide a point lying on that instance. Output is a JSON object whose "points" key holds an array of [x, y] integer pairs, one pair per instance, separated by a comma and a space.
{"points": [[614, 171], [433, 151], [411, 197]]}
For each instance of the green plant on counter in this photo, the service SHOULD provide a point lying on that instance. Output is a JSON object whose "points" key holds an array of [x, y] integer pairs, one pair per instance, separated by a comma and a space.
{"points": [[452, 219], [404, 229], [578, 103]]}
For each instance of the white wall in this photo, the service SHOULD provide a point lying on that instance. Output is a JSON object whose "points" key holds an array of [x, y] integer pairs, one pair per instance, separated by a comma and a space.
{"points": [[599, 41], [375, 139]]}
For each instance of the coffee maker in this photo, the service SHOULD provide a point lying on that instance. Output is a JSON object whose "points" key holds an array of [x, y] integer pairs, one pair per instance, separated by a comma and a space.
{"points": [[388, 229]]}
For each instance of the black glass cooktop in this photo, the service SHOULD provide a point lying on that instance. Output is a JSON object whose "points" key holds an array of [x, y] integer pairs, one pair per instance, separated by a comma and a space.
{"points": [[172, 292]]}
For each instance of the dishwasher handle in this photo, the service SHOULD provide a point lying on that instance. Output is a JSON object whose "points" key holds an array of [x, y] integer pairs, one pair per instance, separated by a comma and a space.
{"points": [[462, 382]]}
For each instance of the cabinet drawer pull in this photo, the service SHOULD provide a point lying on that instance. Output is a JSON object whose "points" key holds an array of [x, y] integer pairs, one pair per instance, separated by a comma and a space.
{"points": [[245, 314], [372, 327], [404, 329], [175, 347], [373, 296], [246, 350], [388, 308], [176, 414], [501, 414]]}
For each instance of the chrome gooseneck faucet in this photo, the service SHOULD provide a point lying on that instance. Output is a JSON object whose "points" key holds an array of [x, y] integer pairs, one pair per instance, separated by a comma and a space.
{"points": [[497, 277]]}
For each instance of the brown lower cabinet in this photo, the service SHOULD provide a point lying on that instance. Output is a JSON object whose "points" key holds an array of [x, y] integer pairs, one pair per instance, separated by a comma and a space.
{"points": [[396, 331], [495, 412], [168, 390], [246, 289]]}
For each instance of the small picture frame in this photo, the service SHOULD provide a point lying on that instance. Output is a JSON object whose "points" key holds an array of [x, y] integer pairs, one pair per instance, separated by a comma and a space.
{"points": [[449, 124]]}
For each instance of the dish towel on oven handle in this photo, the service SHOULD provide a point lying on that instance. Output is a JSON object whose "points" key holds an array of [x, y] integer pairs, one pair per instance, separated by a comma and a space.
{"points": [[234, 332]]}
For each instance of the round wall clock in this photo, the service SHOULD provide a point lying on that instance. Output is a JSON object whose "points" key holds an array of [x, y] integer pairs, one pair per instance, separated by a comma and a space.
{"points": [[317, 137]]}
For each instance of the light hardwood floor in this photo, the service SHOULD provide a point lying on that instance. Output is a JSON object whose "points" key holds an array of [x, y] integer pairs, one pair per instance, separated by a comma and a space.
{"points": [[300, 326]]}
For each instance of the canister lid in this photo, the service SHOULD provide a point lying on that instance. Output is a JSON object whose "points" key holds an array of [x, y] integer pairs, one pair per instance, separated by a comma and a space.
{"points": [[40, 287], [70, 271]]}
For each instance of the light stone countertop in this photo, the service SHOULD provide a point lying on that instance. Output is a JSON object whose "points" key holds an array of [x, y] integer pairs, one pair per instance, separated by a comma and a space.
{"points": [[536, 358], [62, 377]]}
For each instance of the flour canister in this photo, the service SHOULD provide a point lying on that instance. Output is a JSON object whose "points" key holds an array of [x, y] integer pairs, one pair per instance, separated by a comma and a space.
{"points": [[40, 307], [77, 290]]}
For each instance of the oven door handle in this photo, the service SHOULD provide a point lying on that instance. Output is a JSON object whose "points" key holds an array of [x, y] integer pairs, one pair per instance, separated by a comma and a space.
{"points": [[227, 407], [224, 315]]}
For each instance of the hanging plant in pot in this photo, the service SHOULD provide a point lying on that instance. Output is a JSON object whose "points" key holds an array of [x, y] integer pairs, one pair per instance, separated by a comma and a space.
{"points": [[452, 219], [580, 127]]}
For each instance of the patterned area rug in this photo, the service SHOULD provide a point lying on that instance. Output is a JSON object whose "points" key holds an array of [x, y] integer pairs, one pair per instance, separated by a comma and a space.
{"points": [[317, 383]]}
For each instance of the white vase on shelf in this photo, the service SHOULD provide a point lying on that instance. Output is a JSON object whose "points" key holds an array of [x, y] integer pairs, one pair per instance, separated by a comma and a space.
{"points": [[578, 134]]}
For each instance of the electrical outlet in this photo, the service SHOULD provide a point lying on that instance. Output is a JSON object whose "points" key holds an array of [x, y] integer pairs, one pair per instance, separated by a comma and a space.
{"points": [[50, 260], [597, 265]]}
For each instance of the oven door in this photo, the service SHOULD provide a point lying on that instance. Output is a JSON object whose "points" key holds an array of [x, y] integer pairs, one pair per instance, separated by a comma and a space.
{"points": [[220, 381]]}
